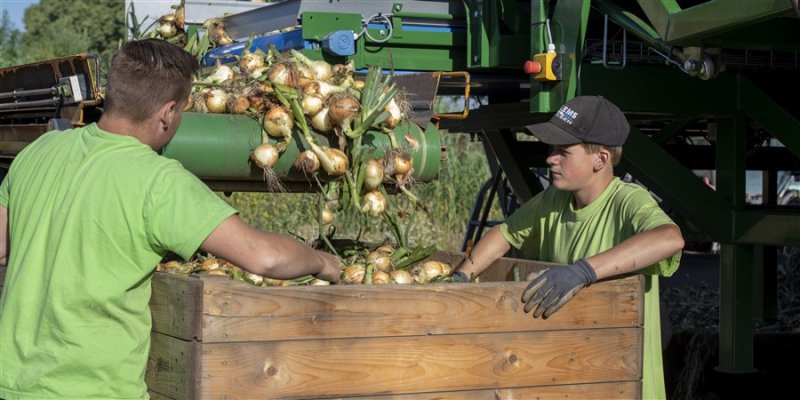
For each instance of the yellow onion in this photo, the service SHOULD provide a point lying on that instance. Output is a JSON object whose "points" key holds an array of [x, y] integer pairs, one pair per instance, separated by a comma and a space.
{"points": [[380, 260], [180, 17], [278, 122], [401, 277], [256, 98], [359, 85], [250, 62], [283, 73], [321, 89], [221, 74], [167, 30], [210, 264], [373, 177], [395, 115], [386, 249], [322, 121], [307, 161], [327, 216], [321, 69], [380, 278], [343, 109], [338, 162], [189, 103], [256, 279], [374, 203], [402, 163], [353, 274], [216, 101], [319, 282], [272, 282], [217, 272], [427, 271], [237, 104], [304, 75], [312, 105], [219, 36], [265, 155]]}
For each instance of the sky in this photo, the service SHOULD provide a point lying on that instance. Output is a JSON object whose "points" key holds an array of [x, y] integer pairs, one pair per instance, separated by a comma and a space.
{"points": [[16, 10]]}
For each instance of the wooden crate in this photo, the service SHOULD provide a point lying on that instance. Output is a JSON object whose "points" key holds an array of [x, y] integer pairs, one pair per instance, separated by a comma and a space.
{"points": [[223, 339]]}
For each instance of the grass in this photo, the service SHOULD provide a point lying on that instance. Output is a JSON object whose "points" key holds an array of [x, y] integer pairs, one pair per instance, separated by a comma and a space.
{"points": [[451, 198]]}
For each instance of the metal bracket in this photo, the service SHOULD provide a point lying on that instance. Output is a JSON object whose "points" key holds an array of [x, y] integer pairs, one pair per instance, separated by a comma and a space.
{"points": [[605, 44]]}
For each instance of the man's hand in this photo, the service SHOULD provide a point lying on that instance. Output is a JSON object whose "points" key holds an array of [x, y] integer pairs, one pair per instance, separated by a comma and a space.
{"points": [[555, 286], [331, 268]]}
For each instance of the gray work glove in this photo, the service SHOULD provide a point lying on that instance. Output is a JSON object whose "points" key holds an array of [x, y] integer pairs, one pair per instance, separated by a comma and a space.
{"points": [[553, 287], [459, 276]]}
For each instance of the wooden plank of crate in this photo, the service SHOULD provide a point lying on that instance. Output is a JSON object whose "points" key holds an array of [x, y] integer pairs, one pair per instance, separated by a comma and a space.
{"points": [[176, 306], [590, 391], [158, 396], [236, 311], [500, 271], [407, 365], [173, 368]]}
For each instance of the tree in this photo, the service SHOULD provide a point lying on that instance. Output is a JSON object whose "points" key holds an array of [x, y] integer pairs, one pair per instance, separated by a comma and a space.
{"points": [[9, 42], [99, 23]]}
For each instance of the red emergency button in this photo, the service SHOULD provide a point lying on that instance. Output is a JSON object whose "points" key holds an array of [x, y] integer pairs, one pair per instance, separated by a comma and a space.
{"points": [[533, 67]]}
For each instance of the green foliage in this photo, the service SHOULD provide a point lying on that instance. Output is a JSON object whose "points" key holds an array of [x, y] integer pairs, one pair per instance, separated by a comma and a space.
{"points": [[450, 198], [10, 38], [100, 23], [58, 39]]}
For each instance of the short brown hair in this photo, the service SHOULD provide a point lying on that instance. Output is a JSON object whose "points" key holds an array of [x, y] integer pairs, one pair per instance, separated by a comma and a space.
{"points": [[144, 75], [616, 152]]}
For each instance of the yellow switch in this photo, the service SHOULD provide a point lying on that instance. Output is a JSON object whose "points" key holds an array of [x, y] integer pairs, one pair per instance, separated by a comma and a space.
{"points": [[548, 73]]}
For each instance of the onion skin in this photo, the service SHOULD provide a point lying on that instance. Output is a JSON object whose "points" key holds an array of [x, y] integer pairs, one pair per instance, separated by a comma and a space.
{"points": [[373, 177], [307, 161], [312, 105], [380, 278], [343, 110], [339, 162], [237, 104], [216, 101], [380, 260], [283, 73], [327, 216], [353, 274], [402, 164], [401, 277], [322, 121], [374, 203], [278, 122], [265, 155]]}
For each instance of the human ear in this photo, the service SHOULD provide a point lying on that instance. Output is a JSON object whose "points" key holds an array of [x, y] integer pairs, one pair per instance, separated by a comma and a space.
{"points": [[165, 114], [603, 157]]}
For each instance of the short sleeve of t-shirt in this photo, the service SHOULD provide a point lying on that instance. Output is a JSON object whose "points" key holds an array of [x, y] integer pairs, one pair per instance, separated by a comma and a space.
{"points": [[644, 214], [181, 211], [520, 226]]}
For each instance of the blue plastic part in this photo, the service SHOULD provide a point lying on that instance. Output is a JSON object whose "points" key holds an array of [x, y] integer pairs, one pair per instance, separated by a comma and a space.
{"points": [[339, 43], [282, 41]]}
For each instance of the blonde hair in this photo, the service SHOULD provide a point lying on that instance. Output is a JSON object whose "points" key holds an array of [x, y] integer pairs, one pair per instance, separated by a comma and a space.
{"points": [[593, 148]]}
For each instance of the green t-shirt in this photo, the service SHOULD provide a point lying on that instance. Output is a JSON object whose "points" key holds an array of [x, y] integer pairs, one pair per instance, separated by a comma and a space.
{"points": [[548, 228], [90, 215]]}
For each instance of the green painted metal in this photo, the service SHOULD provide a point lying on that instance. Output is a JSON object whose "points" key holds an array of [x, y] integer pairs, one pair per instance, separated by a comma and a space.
{"points": [[658, 90], [216, 146], [776, 120], [715, 17], [568, 27], [779, 35], [658, 13], [704, 208], [632, 24], [675, 127], [426, 159], [540, 91], [736, 309]]}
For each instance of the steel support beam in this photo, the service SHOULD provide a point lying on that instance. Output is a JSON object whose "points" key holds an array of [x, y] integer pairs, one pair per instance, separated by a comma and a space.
{"points": [[777, 121], [670, 131], [521, 179], [736, 261], [678, 186], [720, 16], [658, 13], [632, 24]]}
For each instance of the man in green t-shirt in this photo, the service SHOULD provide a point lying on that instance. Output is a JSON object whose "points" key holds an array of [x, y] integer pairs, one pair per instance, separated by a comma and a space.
{"points": [[85, 216], [588, 221]]}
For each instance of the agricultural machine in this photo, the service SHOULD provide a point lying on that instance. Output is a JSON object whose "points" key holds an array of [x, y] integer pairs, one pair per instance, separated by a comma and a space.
{"points": [[706, 85]]}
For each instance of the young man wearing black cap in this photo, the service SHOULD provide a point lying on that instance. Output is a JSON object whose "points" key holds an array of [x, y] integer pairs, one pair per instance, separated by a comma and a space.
{"points": [[588, 221]]}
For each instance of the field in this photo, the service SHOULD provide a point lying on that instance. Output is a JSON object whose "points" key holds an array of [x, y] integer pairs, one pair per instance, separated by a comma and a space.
{"points": [[451, 199]]}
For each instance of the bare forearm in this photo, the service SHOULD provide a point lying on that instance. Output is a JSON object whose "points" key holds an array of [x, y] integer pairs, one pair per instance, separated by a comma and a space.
{"points": [[491, 247], [264, 253], [638, 252]]}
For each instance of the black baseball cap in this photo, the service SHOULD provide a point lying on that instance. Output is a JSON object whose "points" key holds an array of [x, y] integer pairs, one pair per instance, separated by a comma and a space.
{"points": [[584, 119]]}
